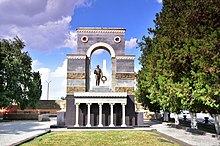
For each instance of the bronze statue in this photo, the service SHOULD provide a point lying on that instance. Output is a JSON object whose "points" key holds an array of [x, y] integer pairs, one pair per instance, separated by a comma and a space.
{"points": [[98, 75]]}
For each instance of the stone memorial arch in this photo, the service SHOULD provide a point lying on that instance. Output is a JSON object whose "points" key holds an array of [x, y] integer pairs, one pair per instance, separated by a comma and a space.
{"points": [[101, 106], [90, 51]]}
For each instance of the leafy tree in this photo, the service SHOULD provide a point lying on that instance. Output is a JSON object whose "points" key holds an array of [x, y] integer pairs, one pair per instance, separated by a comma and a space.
{"points": [[142, 96], [181, 61], [18, 83]]}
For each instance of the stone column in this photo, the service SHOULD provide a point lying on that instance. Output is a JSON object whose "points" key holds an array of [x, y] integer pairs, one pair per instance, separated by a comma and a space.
{"points": [[111, 124], [123, 115], [100, 115], [77, 115], [113, 73], [88, 115]]}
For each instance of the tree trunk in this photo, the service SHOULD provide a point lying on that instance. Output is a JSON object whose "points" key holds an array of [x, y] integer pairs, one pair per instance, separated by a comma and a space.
{"points": [[156, 115], [166, 116], [217, 123], [176, 117], [193, 120]]}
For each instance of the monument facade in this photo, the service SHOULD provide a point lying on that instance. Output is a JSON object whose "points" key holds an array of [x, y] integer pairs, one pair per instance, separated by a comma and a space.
{"points": [[103, 105]]}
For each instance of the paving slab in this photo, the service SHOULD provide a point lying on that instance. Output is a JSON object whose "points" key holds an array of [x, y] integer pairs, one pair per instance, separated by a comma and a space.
{"points": [[16, 131], [207, 139]]}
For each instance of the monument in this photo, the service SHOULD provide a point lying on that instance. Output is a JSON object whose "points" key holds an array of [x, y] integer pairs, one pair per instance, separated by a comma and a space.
{"points": [[101, 106]]}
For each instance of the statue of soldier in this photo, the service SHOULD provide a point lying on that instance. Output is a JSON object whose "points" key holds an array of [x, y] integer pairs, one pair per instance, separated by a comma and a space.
{"points": [[98, 75]]}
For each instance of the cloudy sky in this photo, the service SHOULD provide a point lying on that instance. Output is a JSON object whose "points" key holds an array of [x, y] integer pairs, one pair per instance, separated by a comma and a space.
{"points": [[48, 30]]}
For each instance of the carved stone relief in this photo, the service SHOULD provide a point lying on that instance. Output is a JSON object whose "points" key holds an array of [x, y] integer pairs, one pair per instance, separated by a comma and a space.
{"points": [[76, 75], [129, 90], [75, 89], [125, 76]]}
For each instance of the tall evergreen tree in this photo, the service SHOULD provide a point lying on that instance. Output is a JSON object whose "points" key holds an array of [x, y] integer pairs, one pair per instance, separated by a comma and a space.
{"points": [[18, 83], [183, 67]]}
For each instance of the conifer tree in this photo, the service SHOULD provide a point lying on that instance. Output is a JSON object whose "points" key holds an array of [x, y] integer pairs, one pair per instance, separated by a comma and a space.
{"points": [[181, 61]]}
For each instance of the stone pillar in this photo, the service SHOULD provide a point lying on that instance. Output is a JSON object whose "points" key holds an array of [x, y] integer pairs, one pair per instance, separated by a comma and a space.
{"points": [[100, 115], [123, 115], [113, 73], [88, 115], [111, 124], [77, 115]]}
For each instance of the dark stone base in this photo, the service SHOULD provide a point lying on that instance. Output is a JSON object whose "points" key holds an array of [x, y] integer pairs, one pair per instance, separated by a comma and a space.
{"points": [[104, 127], [130, 117]]}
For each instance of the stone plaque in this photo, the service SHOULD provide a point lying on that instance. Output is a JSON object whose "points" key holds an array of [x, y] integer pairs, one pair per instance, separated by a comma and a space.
{"points": [[76, 75], [76, 65], [125, 76], [124, 65], [129, 90], [75, 89]]}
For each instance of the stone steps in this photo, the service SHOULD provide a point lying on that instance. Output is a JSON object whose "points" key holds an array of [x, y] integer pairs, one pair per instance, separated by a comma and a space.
{"points": [[101, 89]]}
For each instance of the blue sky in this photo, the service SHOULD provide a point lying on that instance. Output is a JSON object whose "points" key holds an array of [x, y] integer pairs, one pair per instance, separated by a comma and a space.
{"points": [[48, 30]]}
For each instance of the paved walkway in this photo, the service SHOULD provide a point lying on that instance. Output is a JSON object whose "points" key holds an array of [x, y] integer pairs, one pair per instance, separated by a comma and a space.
{"points": [[183, 135], [13, 132]]}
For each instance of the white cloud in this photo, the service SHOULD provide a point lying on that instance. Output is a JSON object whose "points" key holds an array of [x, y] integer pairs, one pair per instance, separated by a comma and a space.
{"points": [[45, 74], [71, 41], [131, 43], [60, 71], [57, 86], [35, 64], [42, 24], [160, 1]]}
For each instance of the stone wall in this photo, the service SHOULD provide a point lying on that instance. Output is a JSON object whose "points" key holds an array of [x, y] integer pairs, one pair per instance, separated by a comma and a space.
{"points": [[104, 35], [76, 73], [20, 116], [125, 75]]}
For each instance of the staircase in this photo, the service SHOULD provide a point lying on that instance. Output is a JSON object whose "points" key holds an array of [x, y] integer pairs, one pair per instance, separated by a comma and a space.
{"points": [[101, 89]]}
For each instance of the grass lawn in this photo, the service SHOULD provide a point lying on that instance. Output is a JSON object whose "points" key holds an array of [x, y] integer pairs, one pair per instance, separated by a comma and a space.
{"points": [[101, 138]]}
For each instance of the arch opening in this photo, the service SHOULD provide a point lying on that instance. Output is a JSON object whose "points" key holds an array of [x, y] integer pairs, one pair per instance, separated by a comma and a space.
{"points": [[102, 58], [96, 55], [99, 45]]}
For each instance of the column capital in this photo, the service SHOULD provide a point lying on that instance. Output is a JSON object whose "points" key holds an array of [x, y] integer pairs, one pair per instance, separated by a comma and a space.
{"points": [[111, 103], [88, 103], [123, 104], [100, 103], [77, 103]]}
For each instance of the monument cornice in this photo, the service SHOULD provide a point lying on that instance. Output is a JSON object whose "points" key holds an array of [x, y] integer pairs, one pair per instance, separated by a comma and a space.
{"points": [[101, 30], [100, 94], [75, 56], [127, 57]]}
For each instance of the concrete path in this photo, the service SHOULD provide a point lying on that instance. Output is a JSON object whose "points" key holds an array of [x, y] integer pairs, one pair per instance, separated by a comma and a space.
{"points": [[183, 135], [13, 132]]}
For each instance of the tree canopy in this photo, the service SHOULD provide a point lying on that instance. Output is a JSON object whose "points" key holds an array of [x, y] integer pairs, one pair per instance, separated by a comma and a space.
{"points": [[18, 83], [181, 57]]}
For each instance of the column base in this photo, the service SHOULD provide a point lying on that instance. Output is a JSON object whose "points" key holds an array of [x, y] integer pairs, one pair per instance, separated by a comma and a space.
{"points": [[100, 125], [88, 125], [77, 125], [111, 125], [123, 125]]}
